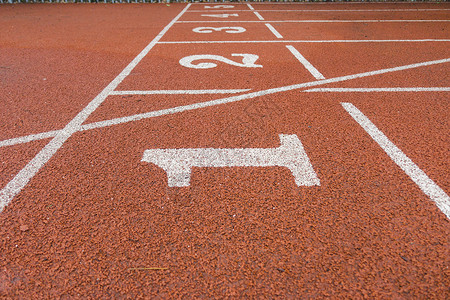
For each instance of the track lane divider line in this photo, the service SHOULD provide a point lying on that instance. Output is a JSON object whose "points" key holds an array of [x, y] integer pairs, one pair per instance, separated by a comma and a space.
{"points": [[116, 121], [179, 92], [368, 90], [255, 12], [306, 41], [329, 10], [323, 21], [428, 186], [27, 173], [274, 31], [314, 72]]}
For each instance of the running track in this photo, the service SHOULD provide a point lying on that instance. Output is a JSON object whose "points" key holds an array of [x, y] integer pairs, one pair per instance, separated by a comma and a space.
{"points": [[263, 150]]}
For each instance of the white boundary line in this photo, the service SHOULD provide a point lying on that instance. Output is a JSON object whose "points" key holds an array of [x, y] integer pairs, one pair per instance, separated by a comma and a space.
{"points": [[314, 72], [393, 89], [179, 92], [321, 3], [306, 41], [255, 12], [326, 10], [321, 21], [428, 186], [274, 31], [152, 114], [28, 172]]}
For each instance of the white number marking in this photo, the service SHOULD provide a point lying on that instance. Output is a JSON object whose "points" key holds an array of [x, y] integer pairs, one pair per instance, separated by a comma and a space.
{"points": [[248, 61], [290, 154], [226, 29], [219, 6], [221, 15]]}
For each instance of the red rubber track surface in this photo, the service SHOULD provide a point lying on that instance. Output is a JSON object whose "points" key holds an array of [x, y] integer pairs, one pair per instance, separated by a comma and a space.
{"points": [[97, 222]]}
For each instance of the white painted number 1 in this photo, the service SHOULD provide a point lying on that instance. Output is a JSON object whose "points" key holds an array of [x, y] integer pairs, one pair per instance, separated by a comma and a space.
{"points": [[226, 29], [248, 61], [219, 6]]}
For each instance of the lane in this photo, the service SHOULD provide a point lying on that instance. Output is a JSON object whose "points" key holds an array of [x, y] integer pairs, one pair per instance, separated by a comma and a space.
{"points": [[337, 59], [348, 6], [364, 31], [352, 15], [230, 72], [218, 32]]}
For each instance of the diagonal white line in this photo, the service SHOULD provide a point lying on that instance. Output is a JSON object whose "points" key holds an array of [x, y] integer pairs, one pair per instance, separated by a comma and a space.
{"points": [[314, 72], [28, 172], [428, 186], [34, 137], [274, 31]]}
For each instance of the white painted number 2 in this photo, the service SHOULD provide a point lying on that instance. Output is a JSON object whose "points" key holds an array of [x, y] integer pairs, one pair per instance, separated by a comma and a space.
{"points": [[221, 15], [219, 6], [226, 29], [248, 61]]}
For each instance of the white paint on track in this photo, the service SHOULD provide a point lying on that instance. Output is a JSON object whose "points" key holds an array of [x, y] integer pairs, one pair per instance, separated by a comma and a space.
{"points": [[169, 111], [305, 63], [255, 12], [307, 41], [28, 172], [179, 92], [330, 10], [428, 186], [274, 31], [322, 21], [368, 90], [290, 154]]}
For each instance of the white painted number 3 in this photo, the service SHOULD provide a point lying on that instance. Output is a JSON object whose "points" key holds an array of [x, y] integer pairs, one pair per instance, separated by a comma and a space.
{"points": [[226, 29], [248, 61]]}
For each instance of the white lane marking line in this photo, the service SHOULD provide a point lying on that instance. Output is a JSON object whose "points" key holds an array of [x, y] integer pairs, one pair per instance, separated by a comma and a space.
{"points": [[305, 63], [320, 3], [427, 185], [393, 89], [24, 176], [274, 31], [258, 15], [306, 41], [250, 6], [179, 92], [29, 138], [200, 105], [331, 10], [290, 154], [255, 12], [321, 21]]}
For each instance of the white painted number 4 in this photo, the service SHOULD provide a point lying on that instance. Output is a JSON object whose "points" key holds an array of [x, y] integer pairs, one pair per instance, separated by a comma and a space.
{"points": [[248, 61]]}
